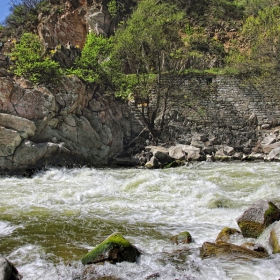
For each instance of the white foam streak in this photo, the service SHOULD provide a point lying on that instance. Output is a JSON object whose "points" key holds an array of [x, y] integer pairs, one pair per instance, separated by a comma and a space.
{"points": [[150, 206]]}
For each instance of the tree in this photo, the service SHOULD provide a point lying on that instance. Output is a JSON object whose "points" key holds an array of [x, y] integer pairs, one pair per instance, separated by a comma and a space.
{"points": [[259, 63], [93, 64], [23, 16], [148, 46], [31, 62]]}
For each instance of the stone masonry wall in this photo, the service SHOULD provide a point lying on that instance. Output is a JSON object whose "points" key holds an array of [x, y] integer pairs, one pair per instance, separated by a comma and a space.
{"points": [[216, 104]]}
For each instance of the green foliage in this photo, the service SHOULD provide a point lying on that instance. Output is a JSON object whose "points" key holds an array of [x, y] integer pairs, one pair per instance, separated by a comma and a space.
{"points": [[94, 63], [252, 7], [113, 8], [150, 33], [146, 46], [31, 63], [23, 16], [261, 33]]}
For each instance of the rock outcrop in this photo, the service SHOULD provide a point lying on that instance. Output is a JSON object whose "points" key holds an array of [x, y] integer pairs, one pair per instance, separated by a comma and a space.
{"points": [[68, 22], [64, 125]]}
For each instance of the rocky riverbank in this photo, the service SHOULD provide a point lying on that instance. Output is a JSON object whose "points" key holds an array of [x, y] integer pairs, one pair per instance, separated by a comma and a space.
{"points": [[203, 148]]}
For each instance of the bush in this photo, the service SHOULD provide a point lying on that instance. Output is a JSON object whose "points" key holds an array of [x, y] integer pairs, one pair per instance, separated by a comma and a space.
{"points": [[31, 63], [92, 66]]}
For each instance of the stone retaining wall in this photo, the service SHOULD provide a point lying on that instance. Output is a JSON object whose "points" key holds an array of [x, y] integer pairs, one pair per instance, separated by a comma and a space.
{"points": [[220, 105]]}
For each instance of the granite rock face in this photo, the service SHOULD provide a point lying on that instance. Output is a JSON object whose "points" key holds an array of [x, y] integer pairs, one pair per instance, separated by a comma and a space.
{"points": [[70, 24], [64, 125]]}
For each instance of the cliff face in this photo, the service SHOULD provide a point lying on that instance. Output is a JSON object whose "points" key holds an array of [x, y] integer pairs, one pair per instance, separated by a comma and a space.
{"points": [[69, 23], [67, 125]]}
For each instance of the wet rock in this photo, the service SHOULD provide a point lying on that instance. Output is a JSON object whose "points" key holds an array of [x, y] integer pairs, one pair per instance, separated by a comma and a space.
{"points": [[254, 247], [220, 155], [161, 153], [273, 154], [8, 270], [152, 163], [229, 151], [183, 238], [177, 152], [268, 148], [192, 153], [256, 156], [228, 250], [257, 217], [226, 234], [113, 249], [274, 238]]}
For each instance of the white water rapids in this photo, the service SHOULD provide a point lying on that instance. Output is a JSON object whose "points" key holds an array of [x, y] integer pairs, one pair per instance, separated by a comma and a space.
{"points": [[48, 222]]}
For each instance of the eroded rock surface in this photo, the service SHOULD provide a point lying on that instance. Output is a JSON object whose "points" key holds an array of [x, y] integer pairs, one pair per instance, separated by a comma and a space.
{"points": [[64, 125]]}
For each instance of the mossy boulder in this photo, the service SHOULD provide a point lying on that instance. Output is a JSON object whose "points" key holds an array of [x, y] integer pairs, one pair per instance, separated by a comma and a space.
{"points": [[274, 238], [113, 249], [228, 250], [183, 238], [226, 233], [257, 217]]}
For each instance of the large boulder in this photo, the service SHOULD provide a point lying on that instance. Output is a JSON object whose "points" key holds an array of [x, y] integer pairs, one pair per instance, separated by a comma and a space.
{"points": [[230, 251], [161, 153], [24, 127], [8, 270], [113, 249], [176, 152], [9, 141], [192, 153], [257, 217]]}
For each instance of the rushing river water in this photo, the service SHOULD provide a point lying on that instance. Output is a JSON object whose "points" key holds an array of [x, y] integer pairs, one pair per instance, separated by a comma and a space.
{"points": [[48, 222]]}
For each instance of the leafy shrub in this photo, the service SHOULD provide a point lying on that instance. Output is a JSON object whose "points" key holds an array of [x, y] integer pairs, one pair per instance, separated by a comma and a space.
{"points": [[92, 66], [31, 63]]}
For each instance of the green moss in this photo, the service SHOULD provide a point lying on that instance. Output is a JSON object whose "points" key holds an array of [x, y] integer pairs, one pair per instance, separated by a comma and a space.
{"points": [[114, 240], [225, 234], [251, 229]]}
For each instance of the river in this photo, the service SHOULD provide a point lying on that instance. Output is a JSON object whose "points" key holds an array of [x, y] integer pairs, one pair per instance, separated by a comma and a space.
{"points": [[48, 222]]}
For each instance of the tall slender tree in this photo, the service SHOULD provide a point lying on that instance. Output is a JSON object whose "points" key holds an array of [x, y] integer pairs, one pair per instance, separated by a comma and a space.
{"points": [[148, 46]]}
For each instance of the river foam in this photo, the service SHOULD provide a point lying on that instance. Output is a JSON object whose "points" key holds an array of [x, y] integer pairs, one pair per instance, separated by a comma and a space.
{"points": [[48, 222]]}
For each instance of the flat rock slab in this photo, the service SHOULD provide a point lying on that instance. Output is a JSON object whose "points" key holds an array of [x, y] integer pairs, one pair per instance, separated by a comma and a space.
{"points": [[229, 250]]}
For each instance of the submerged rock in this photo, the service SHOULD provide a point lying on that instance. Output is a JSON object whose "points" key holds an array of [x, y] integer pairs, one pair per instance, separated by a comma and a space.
{"points": [[226, 233], [183, 237], [113, 249], [257, 217], [228, 250]]}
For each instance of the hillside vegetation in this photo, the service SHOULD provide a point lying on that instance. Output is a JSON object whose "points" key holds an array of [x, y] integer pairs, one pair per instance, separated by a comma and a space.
{"points": [[151, 38]]}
